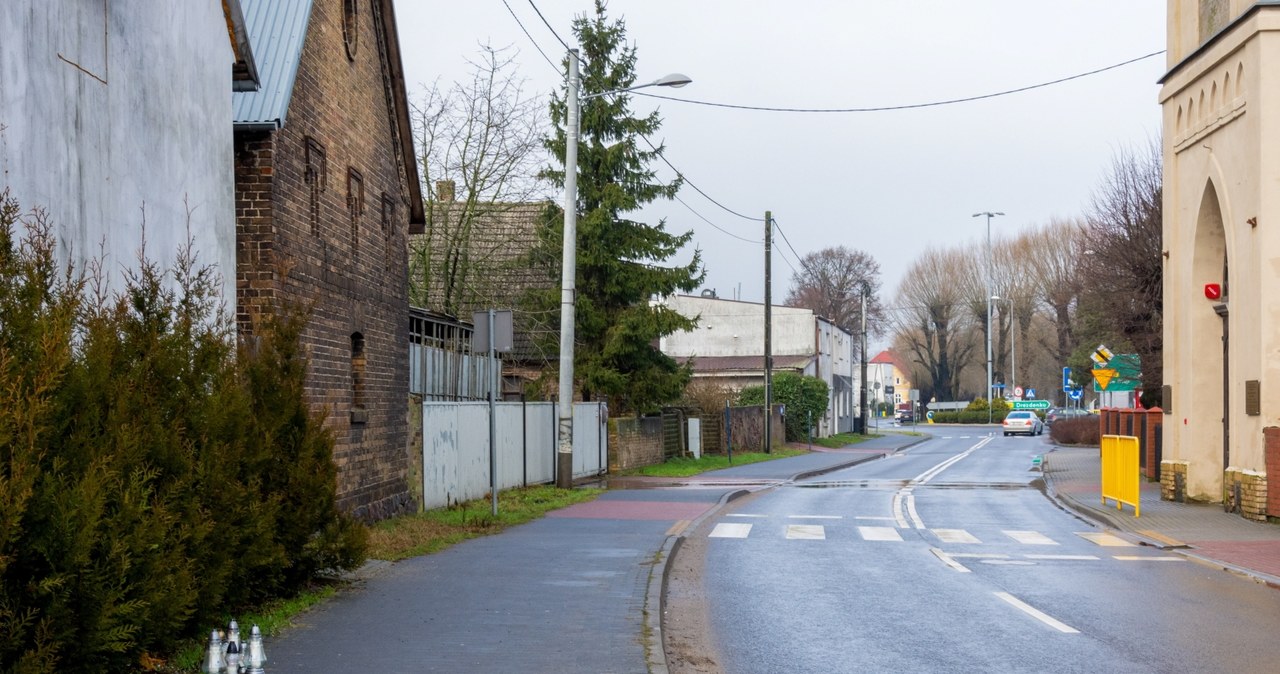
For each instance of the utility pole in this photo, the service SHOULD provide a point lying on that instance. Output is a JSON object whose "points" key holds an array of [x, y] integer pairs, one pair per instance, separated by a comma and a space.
{"points": [[862, 397], [768, 333], [568, 291]]}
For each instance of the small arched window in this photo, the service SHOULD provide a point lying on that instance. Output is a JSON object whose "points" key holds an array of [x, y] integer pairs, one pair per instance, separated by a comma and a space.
{"points": [[350, 28]]}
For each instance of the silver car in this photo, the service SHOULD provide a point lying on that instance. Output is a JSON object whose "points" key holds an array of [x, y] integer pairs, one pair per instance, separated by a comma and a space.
{"points": [[1022, 421]]}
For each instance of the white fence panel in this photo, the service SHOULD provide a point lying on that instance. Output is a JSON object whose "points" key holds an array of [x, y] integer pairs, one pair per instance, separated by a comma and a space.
{"points": [[540, 429], [455, 447]]}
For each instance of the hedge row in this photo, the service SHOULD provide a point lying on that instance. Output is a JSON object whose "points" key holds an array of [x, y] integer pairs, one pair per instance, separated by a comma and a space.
{"points": [[154, 477]]}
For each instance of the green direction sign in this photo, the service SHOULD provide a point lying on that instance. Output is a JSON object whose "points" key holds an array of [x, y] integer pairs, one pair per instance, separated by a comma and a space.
{"points": [[1031, 404]]}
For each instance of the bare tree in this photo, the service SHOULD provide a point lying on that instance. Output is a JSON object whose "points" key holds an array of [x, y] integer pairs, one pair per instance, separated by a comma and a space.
{"points": [[930, 322], [480, 147], [830, 283], [1055, 269], [1122, 261]]}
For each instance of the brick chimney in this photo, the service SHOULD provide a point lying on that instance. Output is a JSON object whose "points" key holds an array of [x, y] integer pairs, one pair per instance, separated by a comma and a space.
{"points": [[444, 190]]}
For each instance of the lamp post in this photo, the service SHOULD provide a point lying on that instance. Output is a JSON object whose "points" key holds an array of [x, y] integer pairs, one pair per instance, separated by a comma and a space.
{"points": [[989, 214], [1013, 341], [568, 273]]}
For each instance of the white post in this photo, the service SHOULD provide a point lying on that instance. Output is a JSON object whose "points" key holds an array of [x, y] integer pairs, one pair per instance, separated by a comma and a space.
{"points": [[564, 450]]}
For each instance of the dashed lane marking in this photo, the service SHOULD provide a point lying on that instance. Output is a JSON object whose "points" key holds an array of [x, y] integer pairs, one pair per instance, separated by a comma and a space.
{"points": [[1037, 613], [731, 530], [955, 536], [1030, 538], [806, 532], [879, 534], [1105, 540]]}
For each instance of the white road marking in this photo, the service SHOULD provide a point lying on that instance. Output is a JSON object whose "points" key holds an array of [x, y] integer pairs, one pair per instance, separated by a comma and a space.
{"points": [[947, 559], [1082, 558], [806, 532], [911, 510], [924, 477], [1106, 540], [898, 516], [1137, 558], [727, 530], [1036, 613], [955, 536], [879, 534], [745, 515], [815, 517], [1030, 538]]}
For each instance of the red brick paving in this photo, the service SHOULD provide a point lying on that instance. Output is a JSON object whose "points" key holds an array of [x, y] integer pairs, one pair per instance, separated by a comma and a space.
{"points": [[633, 510], [1263, 556]]}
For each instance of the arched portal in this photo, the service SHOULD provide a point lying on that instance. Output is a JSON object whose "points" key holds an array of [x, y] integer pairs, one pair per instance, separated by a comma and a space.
{"points": [[1208, 397]]}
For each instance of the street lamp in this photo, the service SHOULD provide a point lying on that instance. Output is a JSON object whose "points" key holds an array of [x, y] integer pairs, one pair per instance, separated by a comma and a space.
{"points": [[1013, 342], [989, 215], [564, 434]]}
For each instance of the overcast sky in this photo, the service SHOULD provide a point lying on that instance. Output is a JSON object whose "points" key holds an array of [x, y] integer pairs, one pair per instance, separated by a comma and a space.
{"points": [[888, 182]]}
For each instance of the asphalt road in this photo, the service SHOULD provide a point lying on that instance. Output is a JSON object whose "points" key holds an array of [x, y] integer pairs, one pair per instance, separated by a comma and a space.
{"points": [[948, 557]]}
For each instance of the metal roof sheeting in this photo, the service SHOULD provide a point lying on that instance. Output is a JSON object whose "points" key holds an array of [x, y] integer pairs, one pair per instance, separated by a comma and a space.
{"points": [[277, 29]]}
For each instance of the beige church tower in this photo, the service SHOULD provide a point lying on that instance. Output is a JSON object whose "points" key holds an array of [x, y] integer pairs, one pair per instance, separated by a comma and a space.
{"points": [[1221, 110]]}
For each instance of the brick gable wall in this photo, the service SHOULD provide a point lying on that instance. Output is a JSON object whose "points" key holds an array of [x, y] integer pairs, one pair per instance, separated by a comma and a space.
{"points": [[297, 242]]}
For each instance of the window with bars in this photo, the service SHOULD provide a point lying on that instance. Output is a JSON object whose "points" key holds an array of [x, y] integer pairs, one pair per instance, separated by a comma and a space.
{"points": [[315, 176], [355, 206]]}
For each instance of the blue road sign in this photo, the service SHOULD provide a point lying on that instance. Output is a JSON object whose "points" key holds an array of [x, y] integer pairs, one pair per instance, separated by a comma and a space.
{"points": [[1076, 393], [1031, 394], [1066, 379]]}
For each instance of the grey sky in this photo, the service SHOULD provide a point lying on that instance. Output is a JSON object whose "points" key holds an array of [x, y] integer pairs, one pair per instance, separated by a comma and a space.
{"points": [[889, 182]]}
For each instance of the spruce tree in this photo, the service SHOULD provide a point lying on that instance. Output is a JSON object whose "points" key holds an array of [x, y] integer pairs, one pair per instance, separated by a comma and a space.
{"points": [[621, 262]]}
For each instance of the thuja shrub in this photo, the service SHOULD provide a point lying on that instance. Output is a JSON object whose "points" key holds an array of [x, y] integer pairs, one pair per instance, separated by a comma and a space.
{"points": [[153, 479], [1078, 431]]}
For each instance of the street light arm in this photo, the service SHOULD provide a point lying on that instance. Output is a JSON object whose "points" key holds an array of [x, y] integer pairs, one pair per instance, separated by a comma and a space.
{"points": [[674, 80]]}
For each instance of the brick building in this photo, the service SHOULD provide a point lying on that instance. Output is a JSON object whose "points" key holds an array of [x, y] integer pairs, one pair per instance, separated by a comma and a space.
{"points": [[327, 193]]}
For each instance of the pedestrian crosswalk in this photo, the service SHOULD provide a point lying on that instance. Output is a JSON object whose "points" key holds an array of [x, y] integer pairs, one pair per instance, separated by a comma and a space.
{"points": [[959, 543]]}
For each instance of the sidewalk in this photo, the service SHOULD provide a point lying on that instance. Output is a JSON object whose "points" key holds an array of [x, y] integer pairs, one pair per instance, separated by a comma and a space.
{"points": [[576, 591], [1203, 532]]}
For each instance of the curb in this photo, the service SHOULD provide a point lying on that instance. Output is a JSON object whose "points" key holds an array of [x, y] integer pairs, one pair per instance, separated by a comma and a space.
{"points": [[655, 593], [854, 462], [1100, 518]]}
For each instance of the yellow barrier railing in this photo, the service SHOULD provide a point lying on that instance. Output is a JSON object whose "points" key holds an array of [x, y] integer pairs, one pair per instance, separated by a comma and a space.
{"points": [[1121, 474]]}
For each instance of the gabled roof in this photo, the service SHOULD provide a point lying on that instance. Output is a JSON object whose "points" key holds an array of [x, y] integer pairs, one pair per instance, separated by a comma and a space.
{"points": [[244, 71], [887, 357], [278, 28]]}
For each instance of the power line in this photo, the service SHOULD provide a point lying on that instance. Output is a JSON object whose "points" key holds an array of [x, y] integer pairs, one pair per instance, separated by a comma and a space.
{"points": [[788, 242], [535, 42], [690, 182], [722, 229], [547, 24], [909, 106]]}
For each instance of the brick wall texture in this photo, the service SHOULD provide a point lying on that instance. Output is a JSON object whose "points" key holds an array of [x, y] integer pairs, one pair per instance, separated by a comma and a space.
{"points": [[335, 238], [634, 443], [1271, 435]]}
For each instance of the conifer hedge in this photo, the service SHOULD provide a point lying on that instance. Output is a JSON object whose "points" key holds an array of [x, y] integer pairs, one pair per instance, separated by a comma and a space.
{"points": [[154, 476]]}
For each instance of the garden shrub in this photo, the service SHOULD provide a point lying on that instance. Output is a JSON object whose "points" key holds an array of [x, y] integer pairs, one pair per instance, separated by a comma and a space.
{"points": [[152, 479], [1077, 431], [805, 398]]}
